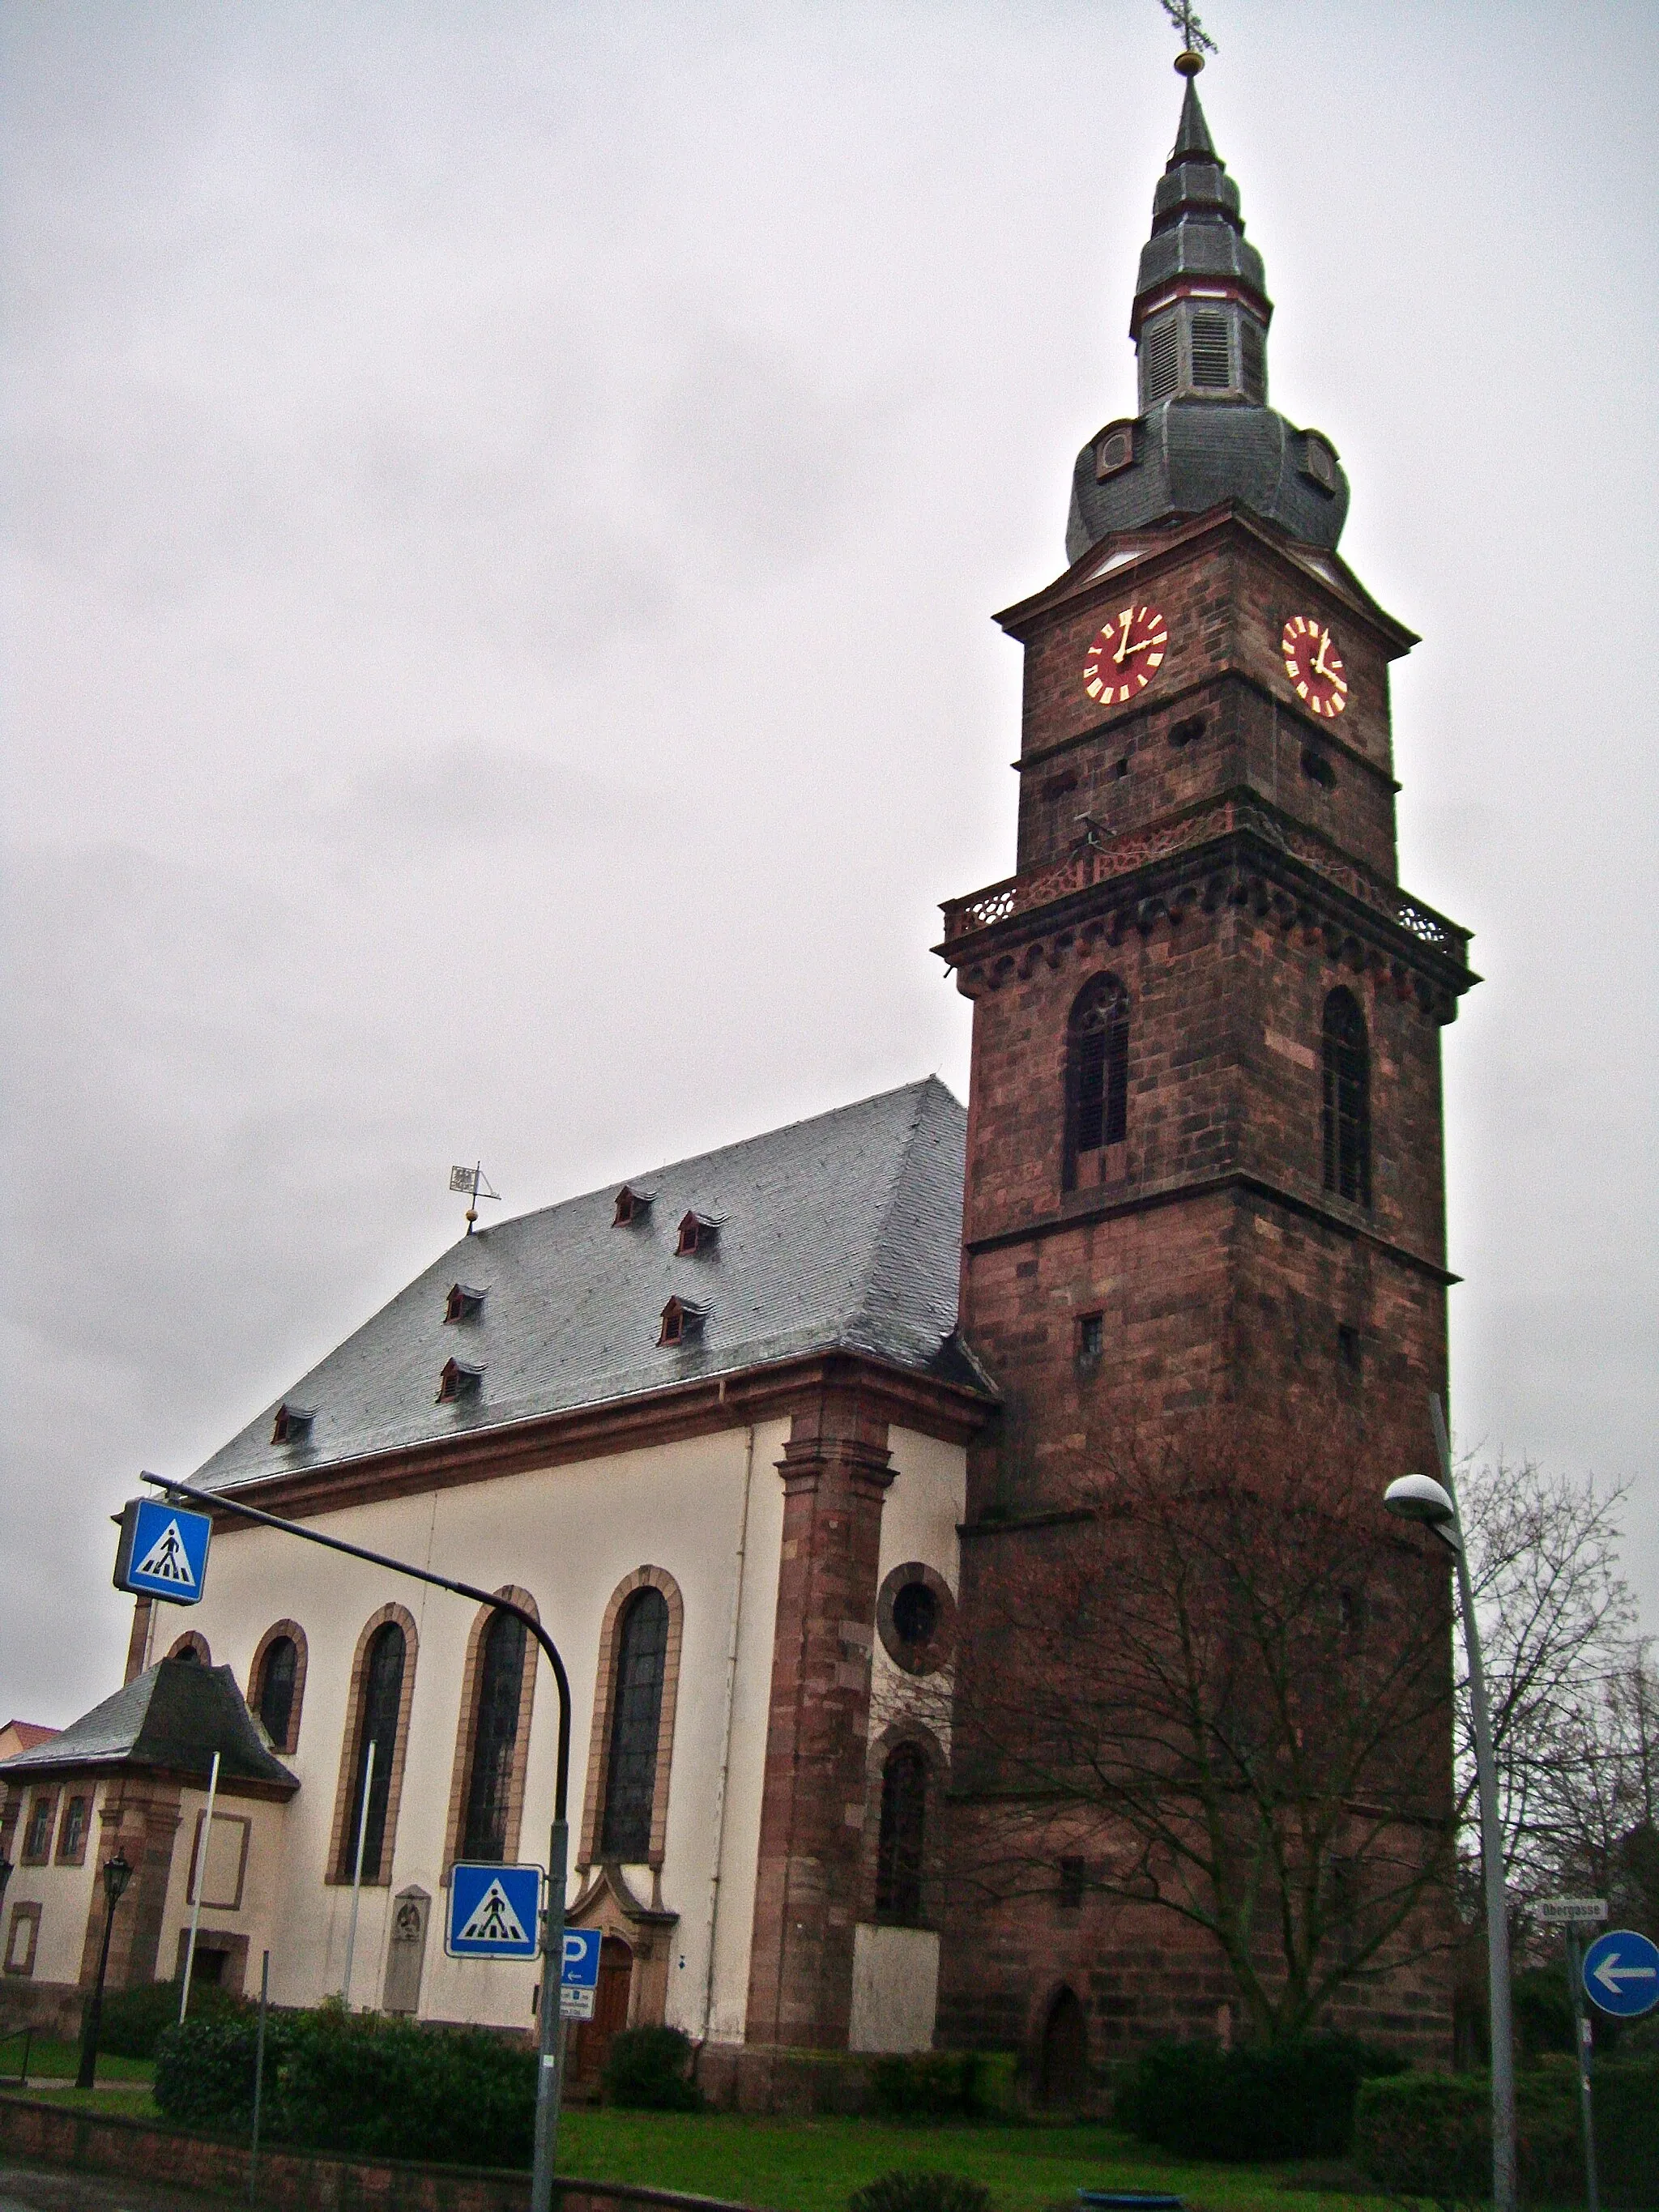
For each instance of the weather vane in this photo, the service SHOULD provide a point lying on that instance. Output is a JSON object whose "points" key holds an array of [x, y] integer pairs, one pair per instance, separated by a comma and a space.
{"points": [[1195, 41], [475, 1183]]}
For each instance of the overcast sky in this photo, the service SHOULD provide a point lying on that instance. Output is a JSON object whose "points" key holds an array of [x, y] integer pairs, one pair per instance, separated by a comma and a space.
{"points": [[504, 504]]}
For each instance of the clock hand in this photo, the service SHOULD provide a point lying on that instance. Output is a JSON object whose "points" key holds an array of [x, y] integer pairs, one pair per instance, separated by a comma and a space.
{"points": [[1127, 616], [1319, 667]]}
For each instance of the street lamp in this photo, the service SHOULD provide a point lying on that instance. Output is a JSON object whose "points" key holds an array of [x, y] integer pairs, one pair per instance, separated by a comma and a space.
{"points": [[1433, 1504], [117, 1874]]}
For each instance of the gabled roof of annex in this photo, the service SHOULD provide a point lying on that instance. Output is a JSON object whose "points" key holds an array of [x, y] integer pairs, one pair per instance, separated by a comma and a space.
{"points": [[842, 1233]]}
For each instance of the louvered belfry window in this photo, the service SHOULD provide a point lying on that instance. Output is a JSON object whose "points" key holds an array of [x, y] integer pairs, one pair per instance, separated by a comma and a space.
{"points": [[1160, 365], [630, 1788], [1347, 1115], [1098, 1071], [1211, 363], [495, 1735]]}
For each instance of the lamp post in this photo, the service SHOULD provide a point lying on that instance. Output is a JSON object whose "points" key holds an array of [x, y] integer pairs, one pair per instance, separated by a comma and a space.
{"points": [[6, 1872], [1433, 1504], [117, 1874]]}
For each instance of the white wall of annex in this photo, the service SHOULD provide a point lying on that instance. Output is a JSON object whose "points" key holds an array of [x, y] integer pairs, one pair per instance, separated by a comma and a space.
{"points": [[568, 1535], [255, 1916], [63, 1892]]}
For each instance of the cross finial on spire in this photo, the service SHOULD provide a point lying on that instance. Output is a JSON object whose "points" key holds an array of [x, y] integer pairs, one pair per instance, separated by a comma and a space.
{"points": [[1195, 41]]}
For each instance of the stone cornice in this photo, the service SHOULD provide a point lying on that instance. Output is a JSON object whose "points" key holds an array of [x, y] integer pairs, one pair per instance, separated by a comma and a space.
{"points": [[900, 1395], [1238, 851]]}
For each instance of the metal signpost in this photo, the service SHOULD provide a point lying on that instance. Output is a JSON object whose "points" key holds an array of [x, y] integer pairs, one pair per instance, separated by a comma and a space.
{"points": [[158, 1559], [1570, 1914]]}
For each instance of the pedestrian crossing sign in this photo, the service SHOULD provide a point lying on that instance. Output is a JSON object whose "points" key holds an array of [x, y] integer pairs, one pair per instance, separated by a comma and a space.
{"points": [[495, 1911], [162, 1552]]}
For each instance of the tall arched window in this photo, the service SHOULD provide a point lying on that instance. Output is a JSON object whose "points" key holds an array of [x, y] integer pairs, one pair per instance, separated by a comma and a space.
{"points": [[630, 1785], [1348, 1099], [277, 1676], [903, 1835], [381, 1707], [495, 1734], [1097, 1072]]}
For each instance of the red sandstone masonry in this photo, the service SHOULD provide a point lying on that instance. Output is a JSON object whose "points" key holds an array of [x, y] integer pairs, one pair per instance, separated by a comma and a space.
{"points": [[298, 2181]]}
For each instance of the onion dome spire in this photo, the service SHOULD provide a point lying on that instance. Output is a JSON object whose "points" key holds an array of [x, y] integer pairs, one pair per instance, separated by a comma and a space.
{"points": [[1204, 432]]}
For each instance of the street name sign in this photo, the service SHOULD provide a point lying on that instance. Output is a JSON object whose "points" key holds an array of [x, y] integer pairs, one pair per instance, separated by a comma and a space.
{"points": [[578, 1975], [162, 1552], [1621, 1973], [1572, 1912], [495, 1911]]}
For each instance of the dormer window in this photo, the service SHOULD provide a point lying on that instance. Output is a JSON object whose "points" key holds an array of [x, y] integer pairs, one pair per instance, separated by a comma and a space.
{"points": [[1319, 462], [463, 1304], [457, 1380], [681, 1320], [1115, 449], [632, 1206], [697, 1234], [292, 1425]]}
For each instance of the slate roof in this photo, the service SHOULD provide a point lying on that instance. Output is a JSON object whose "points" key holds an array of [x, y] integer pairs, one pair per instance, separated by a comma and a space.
{"points": [[171, 1718], [843, 1232]]}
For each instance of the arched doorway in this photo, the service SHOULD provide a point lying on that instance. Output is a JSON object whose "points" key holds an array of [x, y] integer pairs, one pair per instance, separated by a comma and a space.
{"points": [[1063, 2061], [609, 2009]]}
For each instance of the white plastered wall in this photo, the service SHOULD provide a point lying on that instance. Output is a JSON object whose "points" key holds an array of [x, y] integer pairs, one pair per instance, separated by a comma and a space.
{"points": [[63, 1892], [896, 1970], [568, 1534], [255, 1916]]}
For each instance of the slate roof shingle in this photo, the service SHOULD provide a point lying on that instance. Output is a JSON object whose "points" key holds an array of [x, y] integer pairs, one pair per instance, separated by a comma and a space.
{"points": [[173, 1718], [843, 1232]]}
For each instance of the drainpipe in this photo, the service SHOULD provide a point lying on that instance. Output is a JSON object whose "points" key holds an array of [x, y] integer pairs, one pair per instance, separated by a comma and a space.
{"points": [[726, 1733]]}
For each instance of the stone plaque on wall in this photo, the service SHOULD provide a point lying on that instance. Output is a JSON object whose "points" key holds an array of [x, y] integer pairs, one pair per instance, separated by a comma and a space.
{"points": [[405, 1954]]}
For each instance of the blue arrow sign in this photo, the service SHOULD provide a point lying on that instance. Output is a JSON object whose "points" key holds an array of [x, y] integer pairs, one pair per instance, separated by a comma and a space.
{"points": [[162, 1552], [1621, 1973], [495, 1911]]}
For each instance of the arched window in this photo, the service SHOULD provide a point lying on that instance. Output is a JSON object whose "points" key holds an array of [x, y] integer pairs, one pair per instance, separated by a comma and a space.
{"points": [[380, 1708], [1097, 1072], [276, 1680], [191, 1647], [495, 1734], [630, 1782], [1347, 1100], [903, 1835]]}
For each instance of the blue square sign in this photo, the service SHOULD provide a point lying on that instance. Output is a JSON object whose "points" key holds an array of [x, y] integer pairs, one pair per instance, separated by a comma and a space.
{"points": [[495, 1911], [163, 1552]]}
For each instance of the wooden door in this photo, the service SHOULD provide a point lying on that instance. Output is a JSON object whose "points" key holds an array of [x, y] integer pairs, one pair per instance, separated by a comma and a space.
{"points": [[610, 2008]]}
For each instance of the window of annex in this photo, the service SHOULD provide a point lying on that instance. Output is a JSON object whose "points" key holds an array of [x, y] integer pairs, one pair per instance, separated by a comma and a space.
{"points": [[382, 1685], [492, 1744], [276, 1683], [625, 1811], [1096, 1076], [192, 1647], [1348, 1099]]}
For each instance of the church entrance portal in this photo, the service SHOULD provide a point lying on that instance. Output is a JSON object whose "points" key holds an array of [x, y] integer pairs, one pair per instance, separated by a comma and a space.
{"points": [[1063, 2065], [609, 2009]]}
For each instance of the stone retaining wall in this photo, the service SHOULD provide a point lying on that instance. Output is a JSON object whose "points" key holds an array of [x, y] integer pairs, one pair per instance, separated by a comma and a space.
{"points": [[296, 2181]]}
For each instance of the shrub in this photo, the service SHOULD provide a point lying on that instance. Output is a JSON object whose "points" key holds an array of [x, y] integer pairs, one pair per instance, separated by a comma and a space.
{"points": [[1430, 2135], [357, 2083], [649, 2069], [1293, 2100], [929, 2085], [920, 2192], [133, 2019]]}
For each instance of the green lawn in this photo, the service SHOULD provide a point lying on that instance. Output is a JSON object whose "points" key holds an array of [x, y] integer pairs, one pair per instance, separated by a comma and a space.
{"points": [[812, 2166], [58, 2061]]}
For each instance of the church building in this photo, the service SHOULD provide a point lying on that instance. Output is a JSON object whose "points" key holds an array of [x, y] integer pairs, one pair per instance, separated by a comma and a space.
{"points": [[753, 1435]]}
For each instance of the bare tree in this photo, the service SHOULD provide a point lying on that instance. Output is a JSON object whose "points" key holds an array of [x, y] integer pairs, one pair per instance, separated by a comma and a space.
{"points": [[1218, 1684]]}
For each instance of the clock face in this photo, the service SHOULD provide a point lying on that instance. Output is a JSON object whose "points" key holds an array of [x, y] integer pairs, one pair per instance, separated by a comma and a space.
{"points": [[1123, 658], [1314, 666]]}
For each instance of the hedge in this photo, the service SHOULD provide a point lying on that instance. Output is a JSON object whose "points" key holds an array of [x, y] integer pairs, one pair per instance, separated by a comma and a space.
{"points": [[648, 2069], [1430, 2135], [1293, 2100], [356, 2082], [134, 2021]]}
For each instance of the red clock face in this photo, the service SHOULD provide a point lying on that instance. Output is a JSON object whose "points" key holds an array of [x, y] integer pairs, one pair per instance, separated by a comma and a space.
{"points": [[1122, 658], [1314, 666]]}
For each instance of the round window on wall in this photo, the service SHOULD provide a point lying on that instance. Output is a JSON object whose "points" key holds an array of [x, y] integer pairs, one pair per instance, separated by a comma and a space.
{"points": [[915, 1617]]}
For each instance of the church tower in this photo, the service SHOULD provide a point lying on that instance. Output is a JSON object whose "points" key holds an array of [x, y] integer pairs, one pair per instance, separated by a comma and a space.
{"points": [[1205, 1158]]}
